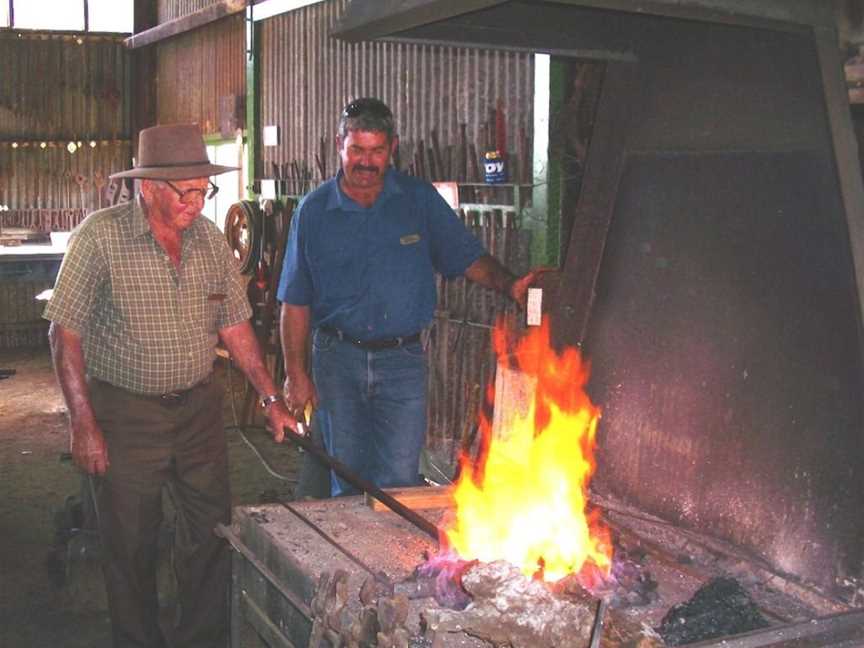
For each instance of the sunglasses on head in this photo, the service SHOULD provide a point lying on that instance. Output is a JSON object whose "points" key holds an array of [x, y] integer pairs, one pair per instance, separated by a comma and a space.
{"points": [[371, 107]]}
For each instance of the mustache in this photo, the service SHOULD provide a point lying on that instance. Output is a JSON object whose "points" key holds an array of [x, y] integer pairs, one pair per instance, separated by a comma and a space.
{"points": [[373, 169]]}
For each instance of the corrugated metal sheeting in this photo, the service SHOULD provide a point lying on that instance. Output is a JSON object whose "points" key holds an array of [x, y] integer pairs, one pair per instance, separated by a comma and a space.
{"points": [[64, 124], [443, 97], [171, 9], [63, 86], [197, 70]]}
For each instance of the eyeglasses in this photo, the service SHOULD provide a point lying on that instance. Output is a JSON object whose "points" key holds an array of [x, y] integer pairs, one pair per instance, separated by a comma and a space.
{"points": [[367, 106], [187, 195]]}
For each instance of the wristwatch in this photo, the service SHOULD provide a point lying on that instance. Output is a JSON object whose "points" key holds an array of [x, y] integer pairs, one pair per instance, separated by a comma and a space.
{"points": [[267, 401]]}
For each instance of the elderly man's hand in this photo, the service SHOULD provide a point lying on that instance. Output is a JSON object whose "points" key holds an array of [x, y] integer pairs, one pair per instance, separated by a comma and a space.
{"points": [[279, 418], [88, 447]]}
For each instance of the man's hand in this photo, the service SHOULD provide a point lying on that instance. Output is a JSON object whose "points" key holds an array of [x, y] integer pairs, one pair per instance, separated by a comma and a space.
{"points": [[88, 448], [299, 391], [519, 288], [279, 418]]}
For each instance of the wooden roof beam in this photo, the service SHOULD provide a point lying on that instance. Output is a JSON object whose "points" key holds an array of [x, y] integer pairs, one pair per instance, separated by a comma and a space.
{"points": [[183, 24]]}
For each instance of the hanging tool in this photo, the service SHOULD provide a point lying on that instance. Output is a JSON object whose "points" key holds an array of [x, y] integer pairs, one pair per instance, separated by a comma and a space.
{"points": [[99, 181], [303, 441], [81, 181]]}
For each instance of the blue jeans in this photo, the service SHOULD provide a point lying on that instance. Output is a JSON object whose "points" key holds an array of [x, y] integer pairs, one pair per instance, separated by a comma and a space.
{"points": [[371, 410]]}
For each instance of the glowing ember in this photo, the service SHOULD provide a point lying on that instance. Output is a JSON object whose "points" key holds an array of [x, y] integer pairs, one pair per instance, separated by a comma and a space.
{"points": [[524, 501]]}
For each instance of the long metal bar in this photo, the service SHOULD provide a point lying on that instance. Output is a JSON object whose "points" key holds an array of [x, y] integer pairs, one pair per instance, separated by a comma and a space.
{"points": [[328, 539], [788, 632], [264, 625], [599, 620], [298, 604], [367, 487]]}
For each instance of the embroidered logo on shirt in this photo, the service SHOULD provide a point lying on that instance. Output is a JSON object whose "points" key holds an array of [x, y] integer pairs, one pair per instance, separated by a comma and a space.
{"points": [[409, 239]]}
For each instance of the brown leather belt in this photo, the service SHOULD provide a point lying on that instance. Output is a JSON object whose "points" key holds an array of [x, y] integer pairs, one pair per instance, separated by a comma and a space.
{"points": [[371, 345], [177, 397]]}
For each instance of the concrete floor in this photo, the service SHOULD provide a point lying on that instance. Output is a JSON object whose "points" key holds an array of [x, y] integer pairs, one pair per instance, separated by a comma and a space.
{"points": [[47, 598]]}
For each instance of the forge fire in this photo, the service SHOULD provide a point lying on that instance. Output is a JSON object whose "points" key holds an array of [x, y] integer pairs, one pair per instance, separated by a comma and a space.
{"points": [[524, 498]]}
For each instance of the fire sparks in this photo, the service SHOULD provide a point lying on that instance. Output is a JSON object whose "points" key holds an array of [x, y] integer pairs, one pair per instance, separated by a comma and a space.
{"points": [[524, 500]]}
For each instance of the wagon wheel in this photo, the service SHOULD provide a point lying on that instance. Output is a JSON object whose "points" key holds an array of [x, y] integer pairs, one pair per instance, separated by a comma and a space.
{"points": [[243, 231]]}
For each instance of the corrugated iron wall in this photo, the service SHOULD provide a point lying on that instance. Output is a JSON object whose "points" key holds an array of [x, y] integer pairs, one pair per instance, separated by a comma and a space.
{"points": [[197, 70], [170, 9], [443, 97], [445, 101], [61, 90]]}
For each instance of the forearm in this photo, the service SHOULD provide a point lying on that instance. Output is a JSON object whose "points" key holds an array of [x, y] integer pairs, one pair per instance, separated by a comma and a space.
{"points": [[294, 332], [489, 272], [67, 354], [245, 352]]}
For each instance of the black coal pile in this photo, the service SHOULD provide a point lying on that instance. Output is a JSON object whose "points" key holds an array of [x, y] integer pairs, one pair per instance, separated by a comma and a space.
{"points": [[719, 608]]}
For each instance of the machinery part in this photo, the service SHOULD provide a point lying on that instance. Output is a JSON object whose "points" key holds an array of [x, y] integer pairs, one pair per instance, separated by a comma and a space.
{"points": [[244, 231], [358, 482]]}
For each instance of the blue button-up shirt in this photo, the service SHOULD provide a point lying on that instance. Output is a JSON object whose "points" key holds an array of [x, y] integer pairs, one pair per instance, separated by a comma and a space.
{"points": [[370, 272]]}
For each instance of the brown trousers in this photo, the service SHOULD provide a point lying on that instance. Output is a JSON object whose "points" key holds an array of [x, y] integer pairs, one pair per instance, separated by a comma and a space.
{"points": [[181, 445]]}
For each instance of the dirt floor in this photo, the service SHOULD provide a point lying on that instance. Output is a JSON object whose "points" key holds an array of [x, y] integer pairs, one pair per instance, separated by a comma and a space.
{"points": [[50, 587]]}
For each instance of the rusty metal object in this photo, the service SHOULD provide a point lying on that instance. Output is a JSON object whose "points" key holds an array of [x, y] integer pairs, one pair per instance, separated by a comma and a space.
{"points": [[328, 606], [243, 229]]}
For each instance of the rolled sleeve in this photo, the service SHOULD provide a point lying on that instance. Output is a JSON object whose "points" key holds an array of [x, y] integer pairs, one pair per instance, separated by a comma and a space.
{"points": [[81, 276], [295, 283], [453, 247]]}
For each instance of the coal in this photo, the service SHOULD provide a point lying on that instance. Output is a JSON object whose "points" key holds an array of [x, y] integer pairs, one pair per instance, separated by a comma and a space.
{"points": [[718, 609]]}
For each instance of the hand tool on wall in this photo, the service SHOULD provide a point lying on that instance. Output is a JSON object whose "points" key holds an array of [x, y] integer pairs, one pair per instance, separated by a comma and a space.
{"points": [[81, 181], [99, 181]]}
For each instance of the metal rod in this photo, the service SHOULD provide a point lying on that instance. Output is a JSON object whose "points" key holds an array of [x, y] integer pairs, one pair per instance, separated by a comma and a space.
{"points": [[236, 616], [261, 568], [358, 482], [597, 629], [329, 540], [789, 632]]}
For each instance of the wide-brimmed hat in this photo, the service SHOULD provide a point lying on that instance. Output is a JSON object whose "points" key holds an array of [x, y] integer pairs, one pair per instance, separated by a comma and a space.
{"points": [[175, 152]]}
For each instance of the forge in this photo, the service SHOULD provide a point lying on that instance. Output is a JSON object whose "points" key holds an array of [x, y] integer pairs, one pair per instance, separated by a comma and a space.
{"points": [[513, 554], [710, 265], [284, 593]]}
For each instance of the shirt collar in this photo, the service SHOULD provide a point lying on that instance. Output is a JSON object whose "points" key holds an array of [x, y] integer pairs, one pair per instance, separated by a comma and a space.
{"points": [[338, 200], [140, 226], [138, 220]]}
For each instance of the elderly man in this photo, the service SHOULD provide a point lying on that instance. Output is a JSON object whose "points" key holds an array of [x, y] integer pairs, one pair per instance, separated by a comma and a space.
{"points": [[359, 270], [145, 291]]}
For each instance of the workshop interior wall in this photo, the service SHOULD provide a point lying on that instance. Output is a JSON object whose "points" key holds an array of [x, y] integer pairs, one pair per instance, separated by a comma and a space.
{"points": [[725, 332]]}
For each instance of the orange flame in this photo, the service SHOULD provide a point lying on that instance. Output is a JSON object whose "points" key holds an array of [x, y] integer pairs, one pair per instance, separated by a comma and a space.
{"points": [[525, 499]]}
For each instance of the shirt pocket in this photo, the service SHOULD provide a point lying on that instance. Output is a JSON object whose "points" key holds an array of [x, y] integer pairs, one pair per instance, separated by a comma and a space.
{"points": [[338, 270]]}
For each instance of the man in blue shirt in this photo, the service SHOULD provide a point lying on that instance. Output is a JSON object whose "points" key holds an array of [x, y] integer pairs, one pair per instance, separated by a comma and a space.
{"points": [[359, 274]]}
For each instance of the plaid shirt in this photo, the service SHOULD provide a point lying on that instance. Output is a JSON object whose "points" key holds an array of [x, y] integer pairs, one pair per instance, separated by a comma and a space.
{"points": [[145, 326]]}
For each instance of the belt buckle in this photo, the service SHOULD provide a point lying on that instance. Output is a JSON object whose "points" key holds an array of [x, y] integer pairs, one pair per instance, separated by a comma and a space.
{"points": [[173, 398]]}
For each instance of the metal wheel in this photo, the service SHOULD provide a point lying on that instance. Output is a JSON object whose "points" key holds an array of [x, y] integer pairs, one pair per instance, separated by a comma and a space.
{"points": [[243, 231]]}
